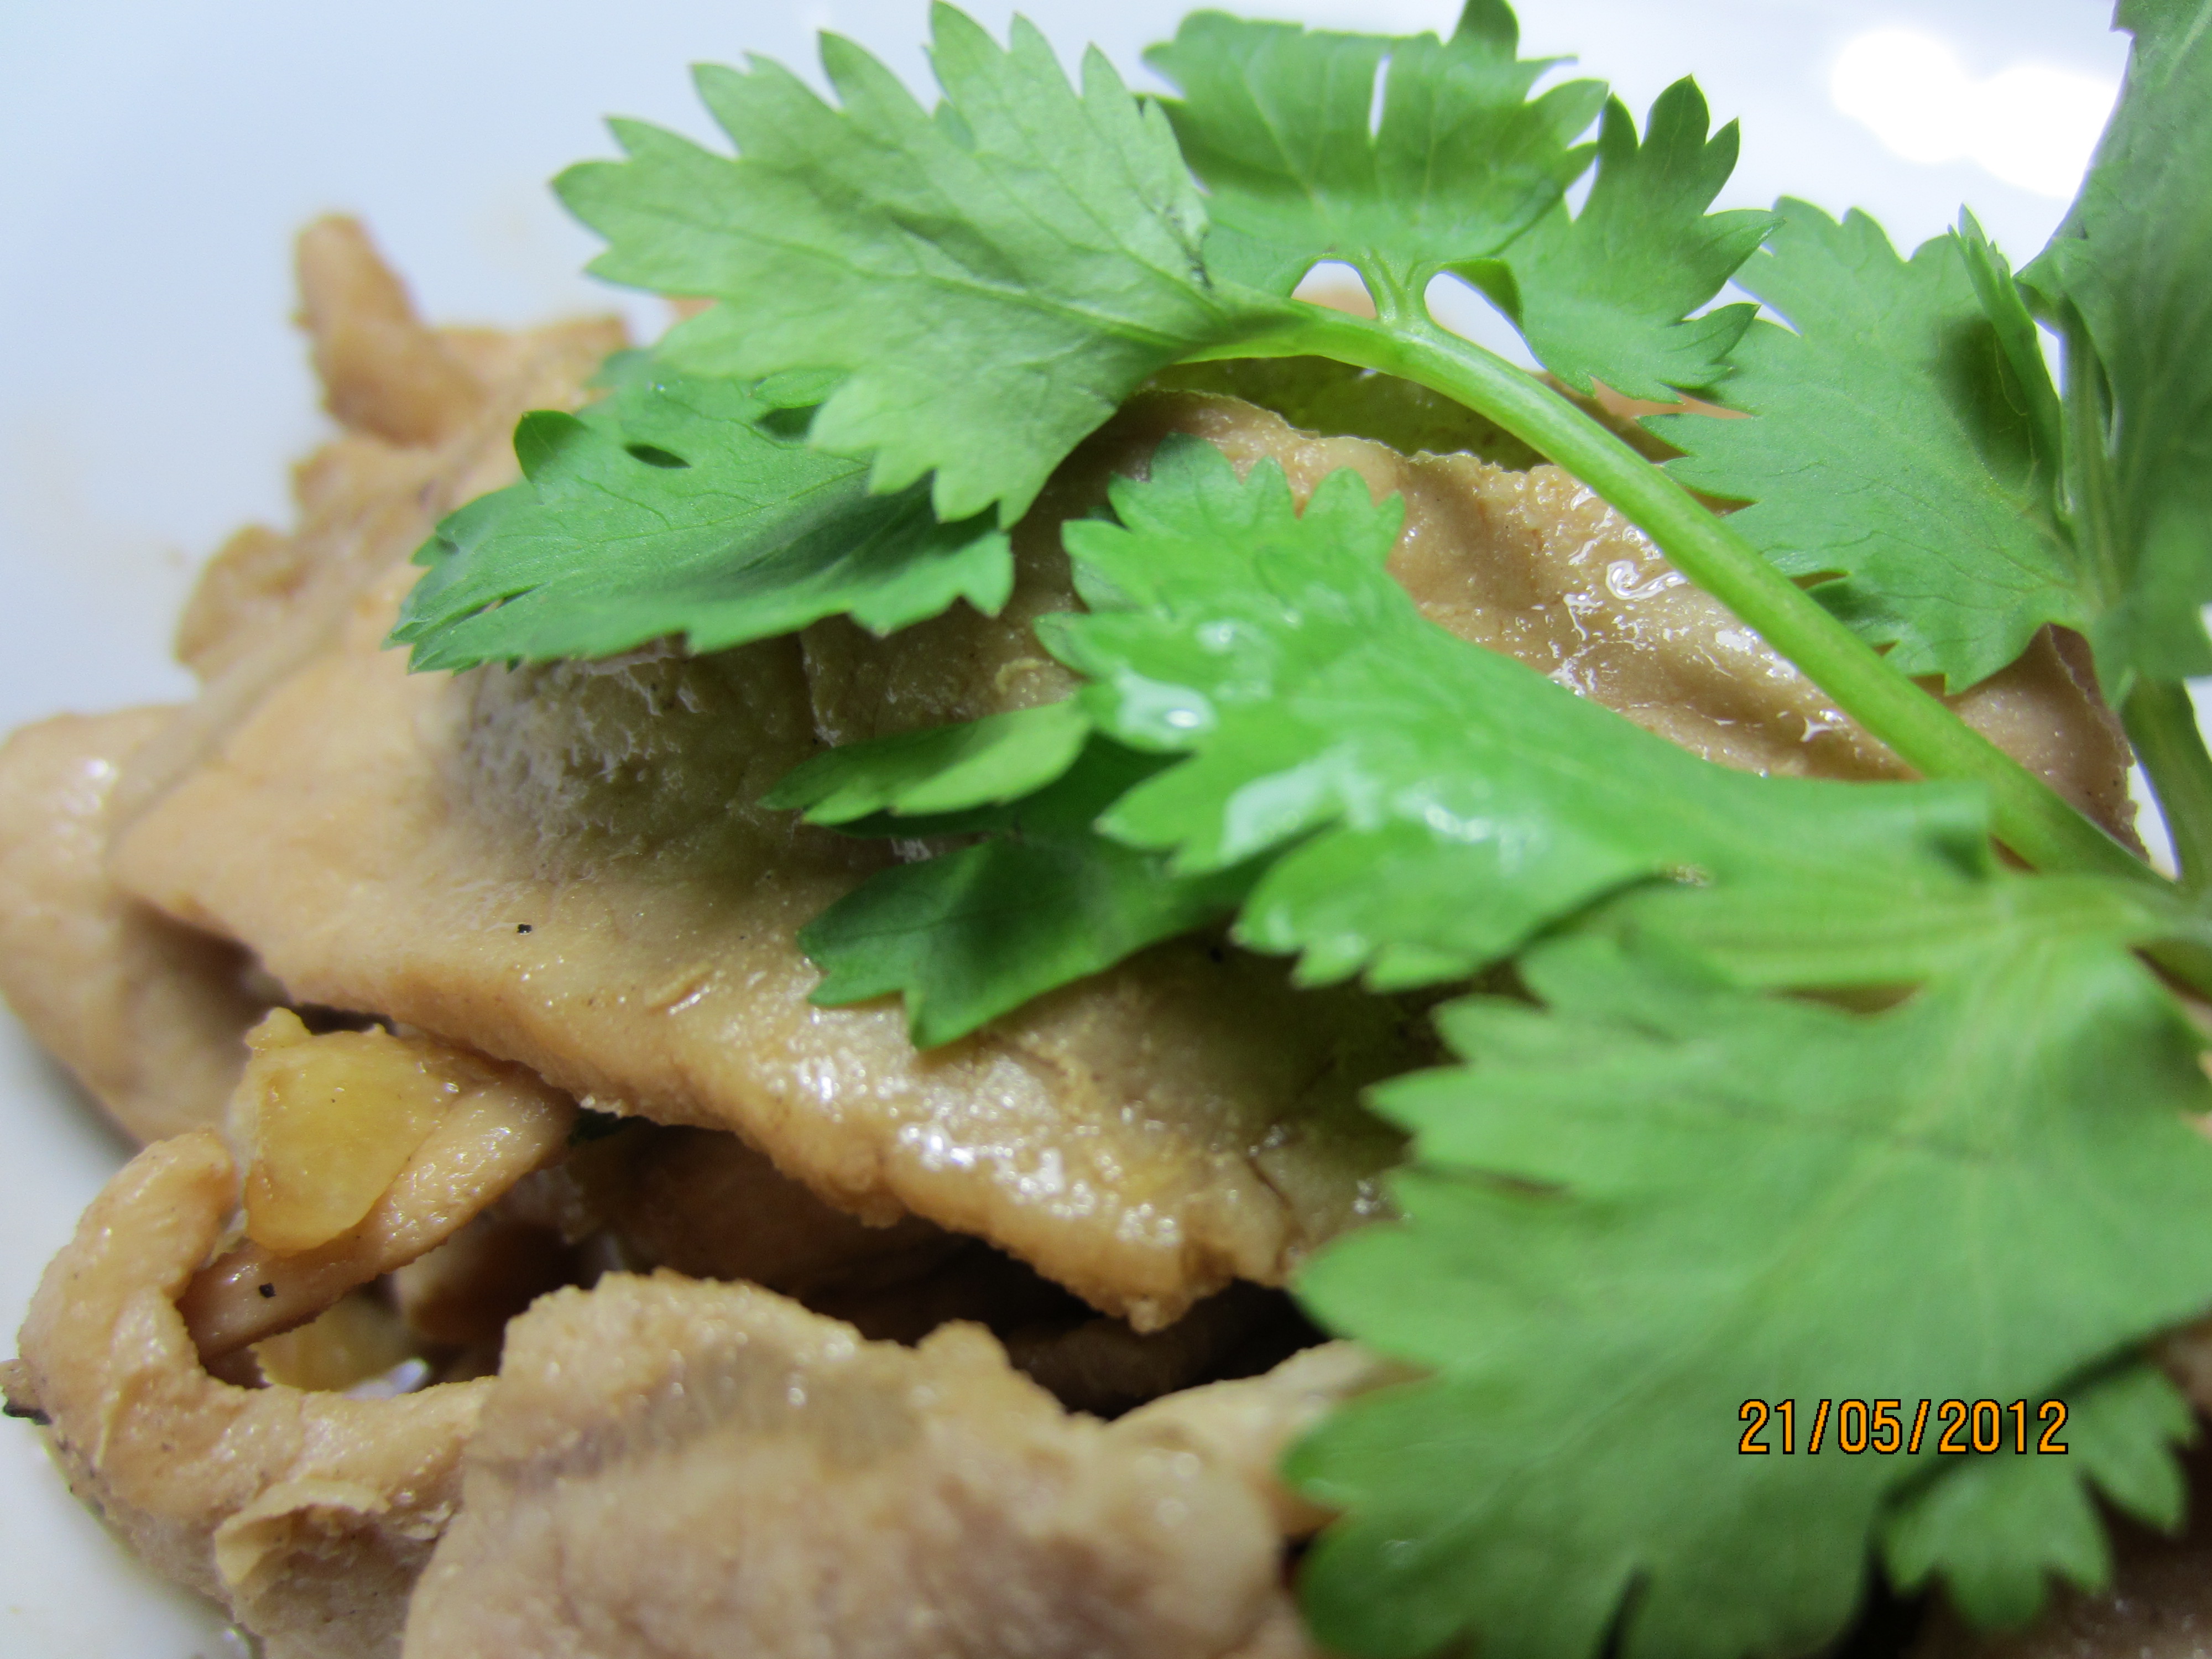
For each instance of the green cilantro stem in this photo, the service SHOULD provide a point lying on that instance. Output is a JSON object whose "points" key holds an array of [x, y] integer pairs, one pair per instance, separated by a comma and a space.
{"points": [[2161, 723], [2028, 815]]}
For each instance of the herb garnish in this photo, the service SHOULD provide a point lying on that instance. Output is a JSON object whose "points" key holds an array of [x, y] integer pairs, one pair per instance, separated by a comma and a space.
{"points": [[1659, 1185]]}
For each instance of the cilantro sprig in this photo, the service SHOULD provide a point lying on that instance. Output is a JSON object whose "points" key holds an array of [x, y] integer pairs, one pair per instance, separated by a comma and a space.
{"points": [[1042, 900], [985, 283], [1607, 294], [1666, 1178], [2124, 281]]}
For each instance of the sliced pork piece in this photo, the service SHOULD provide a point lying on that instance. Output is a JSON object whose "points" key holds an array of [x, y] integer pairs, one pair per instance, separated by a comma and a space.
{"points": [[1529, 563], [1102, 1366], [704, 1203], [567, 867], [675, 1470], [308, 1515], [1536, 565], [366, 500], [150, 1017], [1246, 1425]]}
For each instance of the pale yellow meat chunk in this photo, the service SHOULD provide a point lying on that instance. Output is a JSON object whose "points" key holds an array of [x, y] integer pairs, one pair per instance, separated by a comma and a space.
{"points": [[150, 1016], [669, 1469]]}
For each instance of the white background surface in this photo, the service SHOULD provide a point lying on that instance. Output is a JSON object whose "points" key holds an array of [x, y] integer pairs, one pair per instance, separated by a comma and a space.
{"points": [[155, 158]]}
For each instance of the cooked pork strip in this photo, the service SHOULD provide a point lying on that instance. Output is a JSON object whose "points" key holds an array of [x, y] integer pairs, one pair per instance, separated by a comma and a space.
{"points": [[1102, 1366], [1529, 563], [150, 1016], [462, 1293], [669, 1469], [1247, 1424], [268, 602], [308, 1515], [1565, 584], [382, 371], [1143, 1138], [704, 1203]]}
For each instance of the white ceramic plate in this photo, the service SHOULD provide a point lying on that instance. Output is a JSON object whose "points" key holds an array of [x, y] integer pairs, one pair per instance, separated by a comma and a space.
{"points": [[155, 157]]}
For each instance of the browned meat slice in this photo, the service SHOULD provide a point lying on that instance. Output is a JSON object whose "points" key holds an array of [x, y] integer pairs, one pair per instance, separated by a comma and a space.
{"points": [[704, 1203], [146, 1014], [674, 1470], [1529, 563], [567, 867], [308, 1515], [461, 1294], [1246, 1425], [1534, 565], [382, 371], [1101, 1366], [150, 1016]]}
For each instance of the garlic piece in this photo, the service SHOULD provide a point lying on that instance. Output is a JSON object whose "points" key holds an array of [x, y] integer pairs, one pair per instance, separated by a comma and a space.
{"points": [[325, 1123]]}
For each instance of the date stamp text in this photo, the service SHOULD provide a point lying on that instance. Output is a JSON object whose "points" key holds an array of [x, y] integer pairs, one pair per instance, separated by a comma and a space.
{"points": [[1886, 1427]]}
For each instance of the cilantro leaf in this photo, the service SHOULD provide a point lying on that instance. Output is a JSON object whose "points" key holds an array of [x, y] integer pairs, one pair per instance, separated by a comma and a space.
{"points": [[944, 769], [1606, 294], [992, 279], [1431, 805], [1892, 450], [1655, 1199], [974, 933], [1996, 1525], [970, 935], [684, 506], [2129, 264], [1275, 120]]}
